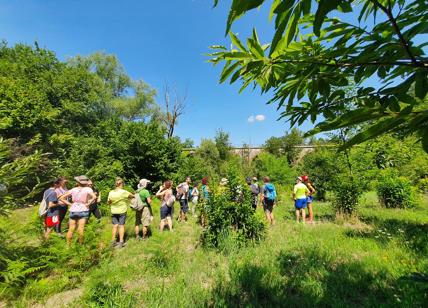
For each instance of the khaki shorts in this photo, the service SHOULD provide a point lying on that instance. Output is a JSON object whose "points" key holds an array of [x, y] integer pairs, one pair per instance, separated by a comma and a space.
{"points": [[142, 217]]}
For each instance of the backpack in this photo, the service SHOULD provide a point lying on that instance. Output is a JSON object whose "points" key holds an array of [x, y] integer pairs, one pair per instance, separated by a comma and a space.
{"points": [[170, 201], [43, 207], [180, 191], [136, 203], [255, 189], [270, 192]]}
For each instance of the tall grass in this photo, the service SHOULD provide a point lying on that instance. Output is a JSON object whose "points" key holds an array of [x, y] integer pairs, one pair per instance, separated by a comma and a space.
{"points": [[379, 259]]}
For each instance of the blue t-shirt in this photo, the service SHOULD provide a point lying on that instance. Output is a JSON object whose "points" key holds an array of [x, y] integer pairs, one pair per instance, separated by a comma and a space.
{"points": [[50, 196]]}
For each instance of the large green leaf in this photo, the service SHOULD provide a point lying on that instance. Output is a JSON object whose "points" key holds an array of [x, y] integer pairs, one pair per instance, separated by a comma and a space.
{"points": [[375, 130], [239, 7], [235, 41], [324, 7], [421, 84]]}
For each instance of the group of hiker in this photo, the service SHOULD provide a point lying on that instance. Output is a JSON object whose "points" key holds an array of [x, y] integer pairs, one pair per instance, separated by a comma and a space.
{"points": [[83, 200]]}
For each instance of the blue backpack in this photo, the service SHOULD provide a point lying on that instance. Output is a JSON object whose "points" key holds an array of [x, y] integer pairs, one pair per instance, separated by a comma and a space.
{"points": [[270, 192]]}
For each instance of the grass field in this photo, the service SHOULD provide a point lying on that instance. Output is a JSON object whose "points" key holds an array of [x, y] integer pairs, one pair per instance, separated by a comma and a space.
{"points": [[379, 259]]}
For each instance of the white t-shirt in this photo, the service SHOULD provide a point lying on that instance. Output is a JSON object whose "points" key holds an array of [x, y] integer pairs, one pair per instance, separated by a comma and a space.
{"points": [[195, 192]]}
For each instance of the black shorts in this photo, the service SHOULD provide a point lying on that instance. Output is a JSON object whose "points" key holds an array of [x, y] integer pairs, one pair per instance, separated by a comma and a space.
{"points": [[165, 211], [184, 205], [268, 205], [118, 219]]}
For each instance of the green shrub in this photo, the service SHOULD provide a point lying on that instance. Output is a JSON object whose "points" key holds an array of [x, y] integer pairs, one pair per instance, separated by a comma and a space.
{"points": [[322, 166], [346, 196], [231, 218], [106, 294], [423, 185], [395, 192], [277, 168]]}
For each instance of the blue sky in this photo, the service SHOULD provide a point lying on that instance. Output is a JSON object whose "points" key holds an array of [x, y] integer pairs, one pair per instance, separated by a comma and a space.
{"points": [[157, 41]]}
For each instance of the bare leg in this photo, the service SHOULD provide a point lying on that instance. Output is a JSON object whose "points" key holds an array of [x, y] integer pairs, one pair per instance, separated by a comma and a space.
{"points": [[47, 232], [162, 225], [267, 216], [145, 231], [113, 233], [272, 218], [297, 215], [311, 213], [169, 222], [137, 231], [81, 228], [303, 215], [121, 232], [71, 228]]}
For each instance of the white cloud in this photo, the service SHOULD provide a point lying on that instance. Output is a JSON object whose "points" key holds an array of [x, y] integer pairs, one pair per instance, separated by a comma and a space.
{"points": [[260, 117]]}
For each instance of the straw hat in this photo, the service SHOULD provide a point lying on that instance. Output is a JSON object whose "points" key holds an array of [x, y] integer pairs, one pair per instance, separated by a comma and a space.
{"points": [[224, 181], [82, 179], [143, 183]]}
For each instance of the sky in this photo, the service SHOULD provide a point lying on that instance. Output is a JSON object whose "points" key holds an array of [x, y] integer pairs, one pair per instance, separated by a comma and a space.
{"points": [[159, 42]]}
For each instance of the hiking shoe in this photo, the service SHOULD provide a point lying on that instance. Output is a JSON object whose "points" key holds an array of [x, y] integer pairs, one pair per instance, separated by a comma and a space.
{"points": [[119, 245], [113, 243]]}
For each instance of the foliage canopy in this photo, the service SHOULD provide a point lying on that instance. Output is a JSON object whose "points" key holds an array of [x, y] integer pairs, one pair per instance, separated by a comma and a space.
{"points": [[312, 56]]}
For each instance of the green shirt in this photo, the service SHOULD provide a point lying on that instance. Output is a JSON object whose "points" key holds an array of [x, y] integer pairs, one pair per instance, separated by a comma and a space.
{"points": [[144, 194], [119, 201], [300, 191]]}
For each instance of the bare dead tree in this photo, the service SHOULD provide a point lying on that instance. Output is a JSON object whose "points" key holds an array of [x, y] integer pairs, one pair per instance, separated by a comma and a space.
{"points": [[175, 106]]}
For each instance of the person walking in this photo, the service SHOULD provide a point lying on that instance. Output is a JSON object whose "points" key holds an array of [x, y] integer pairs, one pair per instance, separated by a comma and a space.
{"points": [[255, 190], [93, 208], [52, 214], [300, 196], [119, 200], [167, 202], [183, 198], [81, 196], [205, 189], [62, 207], [268, 199], [205, 201], [312, 191], [194, 199], [144, 216]]}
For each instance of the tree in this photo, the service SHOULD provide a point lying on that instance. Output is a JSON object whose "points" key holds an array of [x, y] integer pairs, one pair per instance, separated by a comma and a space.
{"points": [[65, 109], [286, 145], [306, 70], [108, 68], [209, 153], [139, 106], [289, 143], [273, 145], [188, 143], [174, 108], [127, 98], [277, 168], [222, 143]]}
